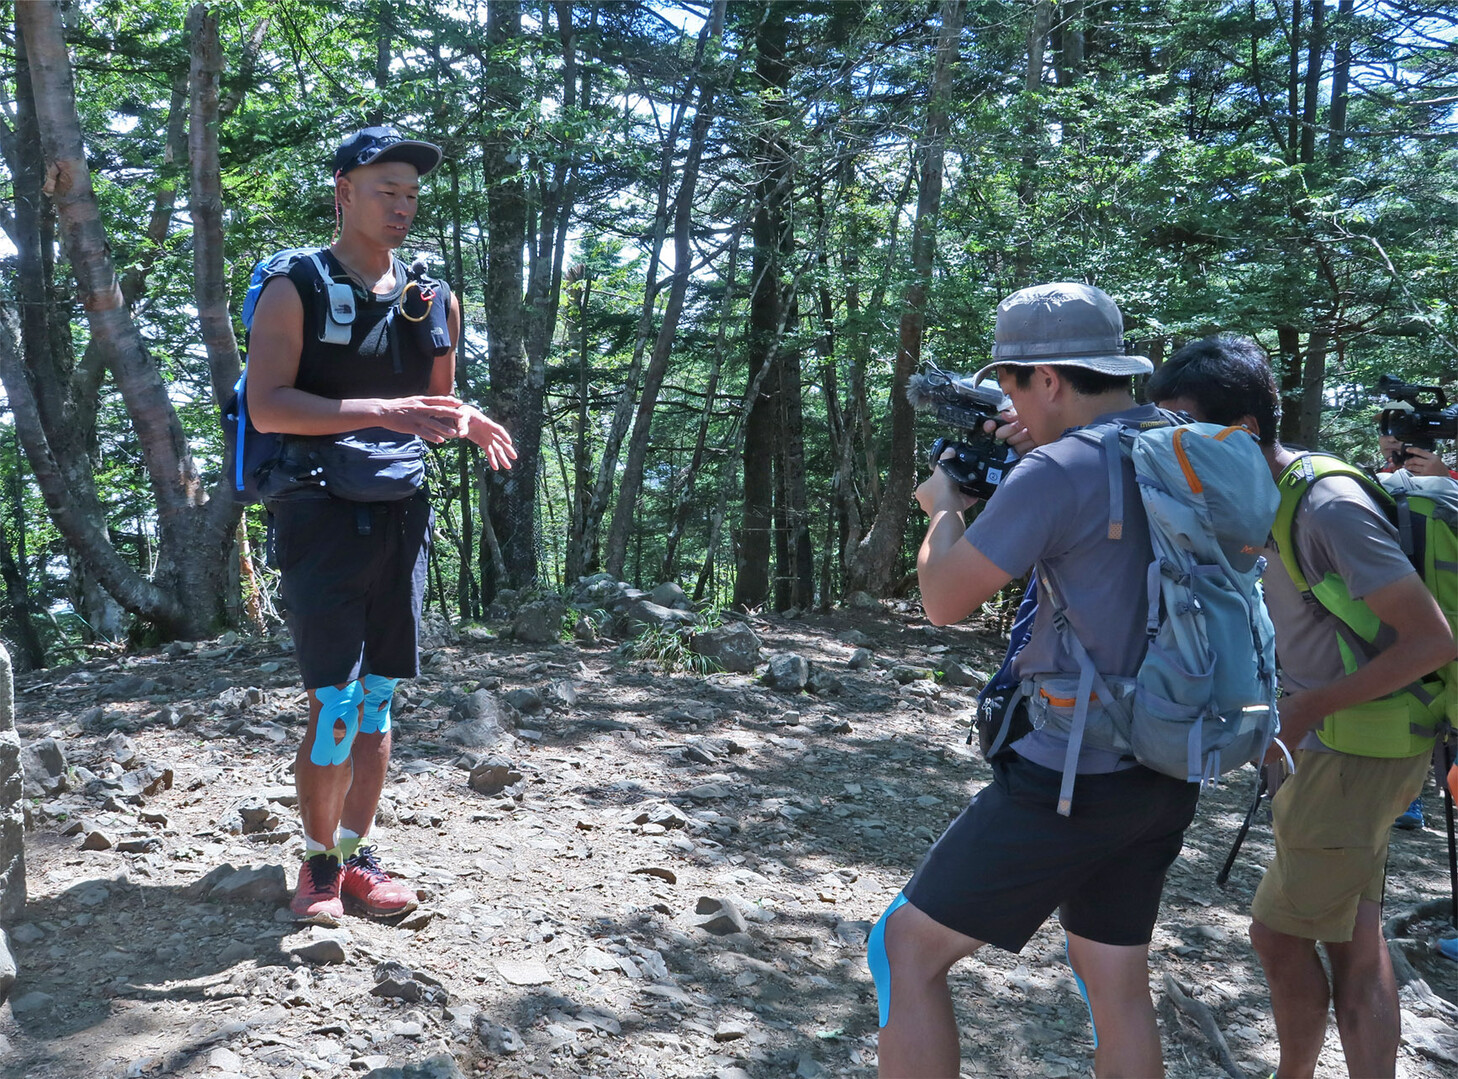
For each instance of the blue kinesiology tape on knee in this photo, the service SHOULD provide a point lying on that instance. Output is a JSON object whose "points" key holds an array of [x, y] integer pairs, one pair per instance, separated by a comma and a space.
{"points": [[335, 706], [379, 691], [1083, 991], [880, 962]]}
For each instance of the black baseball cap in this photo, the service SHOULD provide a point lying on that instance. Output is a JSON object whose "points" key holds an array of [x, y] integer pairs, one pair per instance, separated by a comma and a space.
{"points": [[373, 145]]}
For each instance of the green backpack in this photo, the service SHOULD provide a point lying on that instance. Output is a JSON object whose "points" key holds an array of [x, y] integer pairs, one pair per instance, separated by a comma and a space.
{"points": [[1424, 510]]}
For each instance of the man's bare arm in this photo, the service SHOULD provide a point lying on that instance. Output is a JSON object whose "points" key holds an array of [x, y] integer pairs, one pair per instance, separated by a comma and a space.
{"points": [[1424, 643], [956, 578]]}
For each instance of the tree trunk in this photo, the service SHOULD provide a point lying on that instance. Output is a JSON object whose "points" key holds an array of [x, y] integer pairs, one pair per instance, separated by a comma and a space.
{"points": [[1341, 77], [1288, 346], [875, 565], [766, 316], [632, 477], [513, 492], [1316, 49]]}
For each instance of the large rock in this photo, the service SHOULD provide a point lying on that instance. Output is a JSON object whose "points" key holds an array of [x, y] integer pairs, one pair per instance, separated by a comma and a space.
{"points": [[670, 594], [787, 672], [638, 614], [539, 622], [12, 802], [479, 722], [732, 647], [43, 762]]}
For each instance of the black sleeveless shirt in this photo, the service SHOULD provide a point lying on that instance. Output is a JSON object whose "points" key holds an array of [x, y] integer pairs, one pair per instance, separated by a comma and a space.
{"points": [[383, 357]]}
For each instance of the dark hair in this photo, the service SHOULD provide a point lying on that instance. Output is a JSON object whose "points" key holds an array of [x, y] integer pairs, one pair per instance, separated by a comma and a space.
{"points": [[1085, 381], [1227, 376]]}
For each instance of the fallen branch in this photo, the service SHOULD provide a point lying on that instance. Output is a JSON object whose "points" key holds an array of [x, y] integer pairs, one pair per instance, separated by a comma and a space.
{"points": [[1181, 996]]}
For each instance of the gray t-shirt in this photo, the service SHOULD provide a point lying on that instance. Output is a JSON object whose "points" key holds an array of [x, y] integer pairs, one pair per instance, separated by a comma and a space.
{"points": [[1053, 509], [1338, 529]]}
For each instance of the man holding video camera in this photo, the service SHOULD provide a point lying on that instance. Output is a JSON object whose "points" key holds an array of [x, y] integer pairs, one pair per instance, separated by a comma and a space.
{"points": [[1010, 860]]}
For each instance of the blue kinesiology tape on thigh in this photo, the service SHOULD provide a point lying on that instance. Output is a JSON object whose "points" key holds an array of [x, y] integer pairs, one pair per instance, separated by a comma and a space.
{"points": [[335, 706], [880, 962], [379, 691], [1083, 991]]}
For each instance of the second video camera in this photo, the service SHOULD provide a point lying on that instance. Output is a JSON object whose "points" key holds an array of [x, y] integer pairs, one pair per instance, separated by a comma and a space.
{"points": [[980, 461], [1415, 415]]}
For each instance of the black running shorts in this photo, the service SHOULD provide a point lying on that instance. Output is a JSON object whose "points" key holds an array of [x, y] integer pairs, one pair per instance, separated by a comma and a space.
{"points": [[354, 583], [1009, 860]]}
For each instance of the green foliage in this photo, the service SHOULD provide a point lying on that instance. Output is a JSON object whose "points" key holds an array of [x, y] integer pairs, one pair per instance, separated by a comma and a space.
{"points": [[668, 647]]}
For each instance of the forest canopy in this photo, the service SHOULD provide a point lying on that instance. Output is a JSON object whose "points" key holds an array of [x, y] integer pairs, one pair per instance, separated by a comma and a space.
{"points": [[700, 248]]}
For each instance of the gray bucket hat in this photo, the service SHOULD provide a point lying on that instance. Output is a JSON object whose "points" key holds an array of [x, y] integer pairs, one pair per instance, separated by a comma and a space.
{"points": [[1065, 323]]}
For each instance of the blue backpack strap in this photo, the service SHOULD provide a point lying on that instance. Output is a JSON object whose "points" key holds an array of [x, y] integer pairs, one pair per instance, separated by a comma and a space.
{"points": [[1089, 683]]}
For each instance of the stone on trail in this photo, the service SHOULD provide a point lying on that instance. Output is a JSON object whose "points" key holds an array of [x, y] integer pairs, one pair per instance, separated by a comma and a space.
{"points": [[661, 814], [493, 775], [440, 1066], [562, 694], [321, 948], [44, 763], [8, 969], [525, 700], [906, 674], [863, 601], [640, 614], [730, 1030], [539, 622], [724, 916], [822, 683], [479, 722], [788, 672], [32, 1005], [734, 648], [524, 971], [956, 674], [261, 884], [1431, 1037], [496, 1038], [860, 659], [97, 840]]}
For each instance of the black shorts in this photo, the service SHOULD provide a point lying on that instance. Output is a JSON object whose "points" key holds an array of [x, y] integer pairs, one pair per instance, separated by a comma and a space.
{"points": [[1009, 860], [353, 599]]}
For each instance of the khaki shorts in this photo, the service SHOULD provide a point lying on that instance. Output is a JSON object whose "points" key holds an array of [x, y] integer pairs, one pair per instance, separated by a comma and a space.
{"points": [[1332, 820]]}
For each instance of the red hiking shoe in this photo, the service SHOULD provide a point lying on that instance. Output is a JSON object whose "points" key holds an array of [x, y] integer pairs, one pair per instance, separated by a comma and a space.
{"points": [[369, 889], [317, 896]]}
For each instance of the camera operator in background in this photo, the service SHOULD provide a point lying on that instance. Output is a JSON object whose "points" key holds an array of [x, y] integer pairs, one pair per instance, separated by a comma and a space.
{"points": [[1010, 860], [1412, 419]]}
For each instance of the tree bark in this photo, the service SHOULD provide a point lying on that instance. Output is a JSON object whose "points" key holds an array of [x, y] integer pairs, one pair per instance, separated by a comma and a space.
{"points": [[513, 493], [766, 316], [875, 565]]}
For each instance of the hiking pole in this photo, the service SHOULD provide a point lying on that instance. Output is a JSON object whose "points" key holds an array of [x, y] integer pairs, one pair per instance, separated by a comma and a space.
{"points": [[1223, 876], [1446, 783]]}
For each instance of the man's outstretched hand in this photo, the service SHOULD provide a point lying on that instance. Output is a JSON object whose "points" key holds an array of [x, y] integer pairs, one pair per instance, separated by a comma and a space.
{"points": [[490, 436]]}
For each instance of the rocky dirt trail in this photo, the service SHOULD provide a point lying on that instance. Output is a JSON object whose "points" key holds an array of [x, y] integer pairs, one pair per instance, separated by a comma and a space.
{"points": [[624, 871]]}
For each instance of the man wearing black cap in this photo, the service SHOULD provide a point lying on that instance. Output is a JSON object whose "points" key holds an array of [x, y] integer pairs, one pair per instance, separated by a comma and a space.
{"points": [[1011, 859], [354, 364]]}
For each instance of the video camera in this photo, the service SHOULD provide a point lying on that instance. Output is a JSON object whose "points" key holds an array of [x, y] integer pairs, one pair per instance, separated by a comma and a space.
{"points": [[981, 461], [1415, 415]]}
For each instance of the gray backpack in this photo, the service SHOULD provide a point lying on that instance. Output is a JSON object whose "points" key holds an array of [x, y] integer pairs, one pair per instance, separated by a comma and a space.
{"points": [[1204, 699]]}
